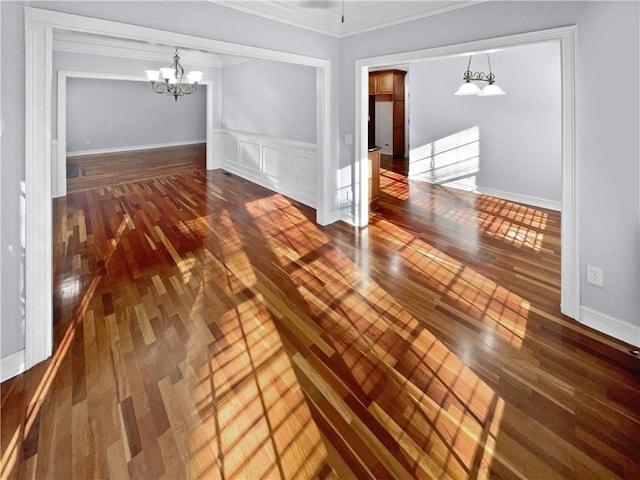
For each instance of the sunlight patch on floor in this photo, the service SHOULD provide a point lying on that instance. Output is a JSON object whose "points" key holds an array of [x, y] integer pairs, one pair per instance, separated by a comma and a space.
{"points": [[368, 331]]}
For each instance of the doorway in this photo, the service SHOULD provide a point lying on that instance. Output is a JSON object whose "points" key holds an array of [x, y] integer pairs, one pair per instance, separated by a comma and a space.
{"points": [[570, 264], [39, 26], [58, 164]]}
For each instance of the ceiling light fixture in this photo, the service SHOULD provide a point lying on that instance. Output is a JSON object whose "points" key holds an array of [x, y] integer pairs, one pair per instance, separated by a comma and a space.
{"points": [[471, 88], [173, 82]]}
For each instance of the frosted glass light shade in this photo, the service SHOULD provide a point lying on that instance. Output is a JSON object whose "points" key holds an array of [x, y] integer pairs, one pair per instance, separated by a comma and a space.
{"points": [[491, 90], [194, 77], [167, 73], [153, 75], [468, 88]]}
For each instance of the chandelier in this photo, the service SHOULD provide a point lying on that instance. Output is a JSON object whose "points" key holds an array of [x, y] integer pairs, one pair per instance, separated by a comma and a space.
{"points": [[173, 79], [470, 88]]}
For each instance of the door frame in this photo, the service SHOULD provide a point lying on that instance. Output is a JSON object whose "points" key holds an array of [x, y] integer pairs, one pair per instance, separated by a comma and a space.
{"points": [[39, 27], [58, 164], [570, 219]]}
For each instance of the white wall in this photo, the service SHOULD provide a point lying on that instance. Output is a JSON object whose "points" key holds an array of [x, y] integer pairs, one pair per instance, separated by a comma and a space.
{"points": [[270, 98], [519, 133], [608, 58], [112, 114]]}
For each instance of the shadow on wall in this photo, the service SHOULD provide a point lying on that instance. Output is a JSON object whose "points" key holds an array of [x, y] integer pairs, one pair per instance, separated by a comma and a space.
{"points": [[452, 161]]}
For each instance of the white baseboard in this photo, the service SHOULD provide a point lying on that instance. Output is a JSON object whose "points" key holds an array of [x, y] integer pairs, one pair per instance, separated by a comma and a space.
{"points": [[333, 217], [131, 148], [611, 326], [525, 199], [12, 365]]}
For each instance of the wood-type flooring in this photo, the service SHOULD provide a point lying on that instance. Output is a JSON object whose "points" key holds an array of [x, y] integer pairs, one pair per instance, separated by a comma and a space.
{"points": [[116, 168], [206, 327]]}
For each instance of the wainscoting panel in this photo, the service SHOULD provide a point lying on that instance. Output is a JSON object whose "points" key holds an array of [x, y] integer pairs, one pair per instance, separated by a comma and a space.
{"points": [[276, 165], [305, 177], [230, 151], [284, 166], [250, 156]]}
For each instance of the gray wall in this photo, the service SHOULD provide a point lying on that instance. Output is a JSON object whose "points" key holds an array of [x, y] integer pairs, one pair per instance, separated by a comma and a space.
{"points": [[203, 19], [519, 133], [608, 58], [608, 108], [110, 114], [78, 62], [12, 242], [270, 98]]}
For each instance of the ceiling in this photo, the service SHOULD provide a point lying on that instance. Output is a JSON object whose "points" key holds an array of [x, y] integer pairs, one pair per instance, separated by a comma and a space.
{"points": [[318, 15], [359, 15]]}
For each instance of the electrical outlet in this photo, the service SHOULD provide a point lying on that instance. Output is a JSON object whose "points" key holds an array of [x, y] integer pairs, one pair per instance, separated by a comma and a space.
{"points": [[386, 145], [595, 276]]}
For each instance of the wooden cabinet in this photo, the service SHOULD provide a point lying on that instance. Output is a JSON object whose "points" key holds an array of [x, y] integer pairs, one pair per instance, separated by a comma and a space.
{"points": [[374, 177], [382, 83], [388, 86]]}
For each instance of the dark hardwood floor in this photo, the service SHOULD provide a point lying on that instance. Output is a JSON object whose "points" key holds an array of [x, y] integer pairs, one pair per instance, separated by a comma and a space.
{"points": [[116, 168], [207, 328], [398, 165]]}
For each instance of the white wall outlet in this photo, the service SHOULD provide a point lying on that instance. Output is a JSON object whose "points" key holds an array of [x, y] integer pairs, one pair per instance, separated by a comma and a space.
{"points": [[386, 145], [595, 276]]}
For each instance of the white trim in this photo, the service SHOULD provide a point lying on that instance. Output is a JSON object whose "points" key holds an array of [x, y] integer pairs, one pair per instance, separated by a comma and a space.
{"points": [[39, 25], [75, 42], [12, 365], [38, 222], [216, 160], [430, 13], [325, 22], [132, 148], [326, 209], [50, 19], [280, 165], [59, 171], [570, 231], [251, 10], [611, 326], [209, 161], [518, 198], [269, 139]]}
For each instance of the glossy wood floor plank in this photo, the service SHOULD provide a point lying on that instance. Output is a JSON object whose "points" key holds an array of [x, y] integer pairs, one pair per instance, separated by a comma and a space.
{"points": [[207, 328]]}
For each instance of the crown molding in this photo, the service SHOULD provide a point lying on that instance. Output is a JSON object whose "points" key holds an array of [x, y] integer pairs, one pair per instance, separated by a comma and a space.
{"points": [[287, 14], [360, 16], [386, 19]]}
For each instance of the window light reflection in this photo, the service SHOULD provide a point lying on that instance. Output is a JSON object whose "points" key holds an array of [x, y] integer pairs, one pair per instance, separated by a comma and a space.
{"points": [[370, 331]]}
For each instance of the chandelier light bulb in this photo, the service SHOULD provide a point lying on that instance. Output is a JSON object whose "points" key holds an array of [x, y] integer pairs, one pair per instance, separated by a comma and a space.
{"points": [[491, 90], [153, 75], [169, 80], [469, 87]]}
